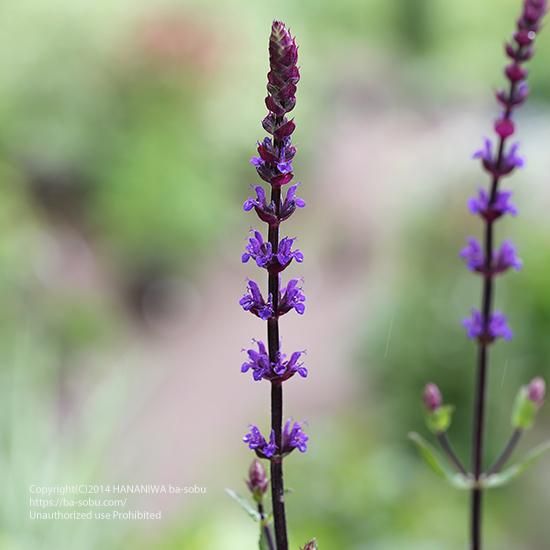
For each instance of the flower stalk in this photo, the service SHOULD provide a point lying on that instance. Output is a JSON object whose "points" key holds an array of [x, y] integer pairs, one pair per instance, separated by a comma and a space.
{"points": [[274, 165], [500, 164], [489, 261]]}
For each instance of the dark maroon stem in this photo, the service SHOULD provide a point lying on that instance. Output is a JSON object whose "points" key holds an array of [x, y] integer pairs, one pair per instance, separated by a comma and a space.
{"points": [[265, 528], [277, 482], [449, 451], [483, 356], [506, 453]]}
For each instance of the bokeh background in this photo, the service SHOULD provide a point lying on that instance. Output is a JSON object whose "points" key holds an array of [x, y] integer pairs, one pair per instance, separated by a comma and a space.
{"points": [[125, 133]]}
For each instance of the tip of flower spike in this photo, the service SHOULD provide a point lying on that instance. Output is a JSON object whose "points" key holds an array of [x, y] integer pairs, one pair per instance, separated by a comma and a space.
{"points": [[279, 26], [280, 34]]}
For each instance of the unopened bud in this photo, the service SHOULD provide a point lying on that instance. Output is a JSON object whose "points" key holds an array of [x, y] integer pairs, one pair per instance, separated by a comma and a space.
{"points": [[528, 402], [536, 390], [311, 545], [438, 416], [504, 127], [432, 397], [257, 480]]}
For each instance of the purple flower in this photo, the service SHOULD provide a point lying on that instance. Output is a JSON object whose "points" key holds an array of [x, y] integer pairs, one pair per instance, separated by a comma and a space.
{"points": [[285, 369], [270, 154], [473, 255], [262, 252], [486, 152], [498, 327], [259, 250], [292, 298], [506, 258], [257, 442], [501, 205], [290, 203], [285, 254], [517, 97], [510, 159], [293, 437], [262, 368], [258, 362], [259, 202], [432, 397], [254, 302], [274, 164], [266, 211]]}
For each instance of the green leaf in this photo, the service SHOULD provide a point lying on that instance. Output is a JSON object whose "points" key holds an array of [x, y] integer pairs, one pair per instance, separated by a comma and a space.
{"points": [[244, 504], [439, 466], [503, 478]]}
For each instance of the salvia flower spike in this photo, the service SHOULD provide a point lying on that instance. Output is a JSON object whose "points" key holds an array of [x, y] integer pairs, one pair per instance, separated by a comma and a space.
{"points": [[500, 157], [273, 163]]}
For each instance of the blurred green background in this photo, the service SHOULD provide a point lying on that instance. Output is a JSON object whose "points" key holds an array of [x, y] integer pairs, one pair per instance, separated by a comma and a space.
{"points": [[125, 133]]}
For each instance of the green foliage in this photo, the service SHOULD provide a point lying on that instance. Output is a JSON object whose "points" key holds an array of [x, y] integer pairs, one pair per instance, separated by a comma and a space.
{"points": [[437, 464], [506, 476], [245, 505]]}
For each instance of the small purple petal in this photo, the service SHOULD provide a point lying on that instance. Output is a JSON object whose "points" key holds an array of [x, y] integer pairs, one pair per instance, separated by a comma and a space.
{"points": [[293, 437], [507, 258], [472, 254]]}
